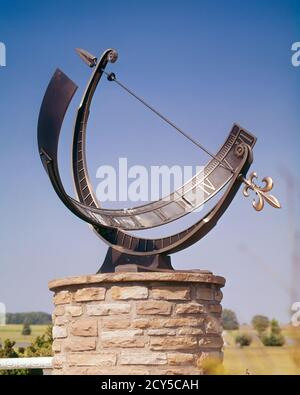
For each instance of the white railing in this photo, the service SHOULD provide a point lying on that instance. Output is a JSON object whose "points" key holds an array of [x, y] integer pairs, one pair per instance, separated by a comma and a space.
{"points": [[44, 363]]}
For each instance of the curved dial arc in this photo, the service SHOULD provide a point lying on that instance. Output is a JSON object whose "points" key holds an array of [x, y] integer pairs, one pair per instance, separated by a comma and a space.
{"points": [[193, 194], [57, 98]]}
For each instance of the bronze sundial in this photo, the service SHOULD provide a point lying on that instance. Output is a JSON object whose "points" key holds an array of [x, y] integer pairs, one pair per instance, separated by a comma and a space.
{"points": [[227, 169]]}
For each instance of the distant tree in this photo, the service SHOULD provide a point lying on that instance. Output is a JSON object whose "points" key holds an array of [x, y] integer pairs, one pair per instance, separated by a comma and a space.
{"points": [[21, 351], [26, 331], [260, 323], [275, 328], [275, 337], [243, 339], [229, 320], [32, 318]]}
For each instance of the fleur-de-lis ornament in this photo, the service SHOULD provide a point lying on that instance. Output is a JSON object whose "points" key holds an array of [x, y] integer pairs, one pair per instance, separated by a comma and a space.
{"points": [[261, 192]]}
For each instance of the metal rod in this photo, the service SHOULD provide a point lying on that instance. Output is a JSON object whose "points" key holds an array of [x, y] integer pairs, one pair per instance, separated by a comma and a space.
{"points": [[165, 119]]}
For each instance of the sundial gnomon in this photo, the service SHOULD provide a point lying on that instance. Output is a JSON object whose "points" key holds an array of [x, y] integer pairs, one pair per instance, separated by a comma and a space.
{"points": [[227, 168]]}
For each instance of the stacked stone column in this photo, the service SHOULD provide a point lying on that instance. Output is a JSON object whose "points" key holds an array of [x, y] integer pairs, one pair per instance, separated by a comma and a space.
{"points": [[137, 323]]}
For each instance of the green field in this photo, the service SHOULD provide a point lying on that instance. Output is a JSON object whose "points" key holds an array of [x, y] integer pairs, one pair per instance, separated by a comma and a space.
{"points": [[14, 332], [258, 359]]}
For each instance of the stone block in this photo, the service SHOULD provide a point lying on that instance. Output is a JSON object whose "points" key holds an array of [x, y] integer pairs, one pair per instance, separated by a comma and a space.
{"points": [[74, 311], [173, 342], [88, 294], [205, 293], [84, 327], [62, 297], [152, 307], [59, 332], [123, 338], [80, 344], [181, 359], [171, 293], [143, 358], [126, 293], [92, 359], [189, 308], [108, 309]]}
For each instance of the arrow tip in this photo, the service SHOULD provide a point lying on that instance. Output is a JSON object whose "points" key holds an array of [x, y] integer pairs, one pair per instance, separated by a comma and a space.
{"points": [[87, 57]]}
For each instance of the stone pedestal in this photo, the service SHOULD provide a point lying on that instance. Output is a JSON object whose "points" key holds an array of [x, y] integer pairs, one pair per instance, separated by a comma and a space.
{"points": [[137, 323]]}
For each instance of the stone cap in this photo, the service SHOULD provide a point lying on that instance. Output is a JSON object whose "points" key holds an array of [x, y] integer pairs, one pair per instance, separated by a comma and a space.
{"points": [[176, 276]]}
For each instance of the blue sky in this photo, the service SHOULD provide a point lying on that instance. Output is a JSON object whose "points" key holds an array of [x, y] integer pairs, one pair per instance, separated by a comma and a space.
{"points": [[205, 64]]}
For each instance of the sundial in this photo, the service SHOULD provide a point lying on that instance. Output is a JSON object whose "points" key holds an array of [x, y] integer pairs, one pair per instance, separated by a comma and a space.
{"points": [[225, 171]]}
